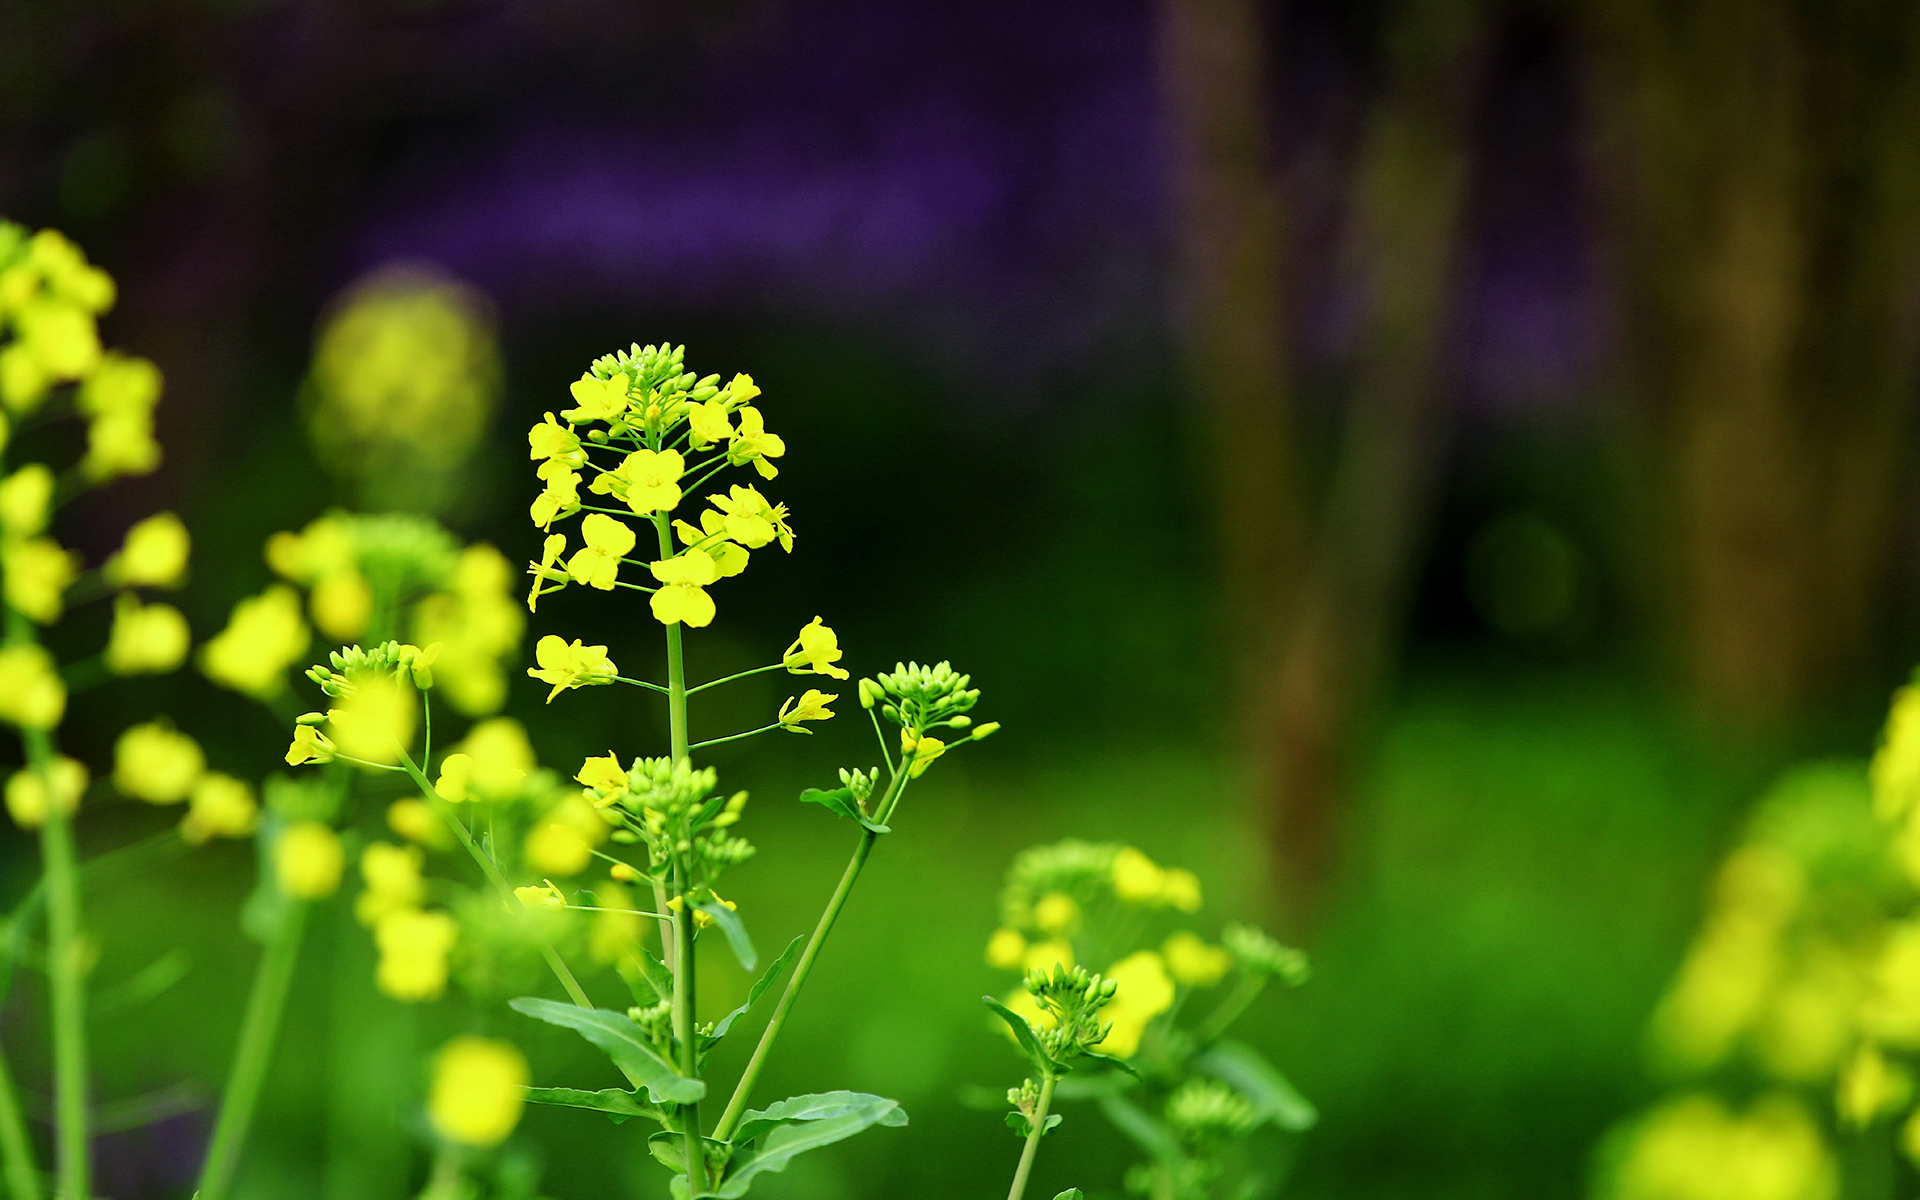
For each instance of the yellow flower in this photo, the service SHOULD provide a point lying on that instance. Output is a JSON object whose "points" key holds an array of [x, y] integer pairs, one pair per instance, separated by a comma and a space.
{"points": [[598, 399], [544, 572], [27, 792], [307, 860], [701, 919], [323, 548], [121, 384], [925, 750], [707, 423], [682, 597], [376, 720], [1045, 956], [1869, 1087], [648, 480], [479, 1087], [262, 639], [499, 758], [61, 337], [604, 778], [562, 842], [392, 875], [614, 934], [309, 745], [728, 559], [157, 763], [1193, 962], [752, 443], [1895, 772], [342, 604], [1136, 879], [37, 574], [154, 554], [1056, 913], [220, 806], [570, 665], [151, 638], [121, 444], [816, 650], [741, 389], [1180, 889], [749, 518], [22, 380], [598, 563], [545, 896], [26, 498], [413, 820], [1006, 949], [413, 953], [31, 693], [1145, 991], [811, 706], [559, 498], [555, 442]]}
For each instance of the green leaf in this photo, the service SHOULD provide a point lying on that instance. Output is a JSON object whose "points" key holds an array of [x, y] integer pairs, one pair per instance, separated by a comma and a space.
{"points": [[1272, 1094], [617, 1035], [729, 923], [615, 1102], [1087, 1087], [1071, 1194], [654, 973], [1149, 1134], [1024, 1032], [819, 1106], [803, 1133], [1118, 1064], [840, 800], [1021, 1124], [759, 989]]}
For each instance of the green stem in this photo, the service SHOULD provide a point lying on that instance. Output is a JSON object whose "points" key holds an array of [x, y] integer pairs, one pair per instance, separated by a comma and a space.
{"points": [[734, 737], [66, 977], [259, 1029], [1034, 1135], [736, 675], [737, 1103], [16, 1148], [1220, 1019]]}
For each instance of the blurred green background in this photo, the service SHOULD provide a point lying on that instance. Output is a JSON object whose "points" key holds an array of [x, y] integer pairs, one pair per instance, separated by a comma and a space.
{"points": [[1422, 464]]}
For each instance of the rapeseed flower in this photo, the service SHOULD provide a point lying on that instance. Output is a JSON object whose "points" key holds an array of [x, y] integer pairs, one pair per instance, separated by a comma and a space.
{"points": [[597, 564], [568, 665], [393, 881], [146, 638], [598, 399], [1193, 962], [748, 518], [1137, 879], [342, 604], [682, 598], [1006, 949], [479, 1088], [753, 444], [32, 695], [264, 636], [37, 573], [157, 763], [413, 947], [815, 650], [1145, 991], [26, 499], [615, 934], [646, 480], [544, 896], [307, 860], [154, 554], [219, 806], [495, 759], [376, 720], [309, 746], [810, 706], [561, 843], [413, 820], [561, 496], [26, 794], [544, 572], [604, 778], [707, 423], [555, 442]]}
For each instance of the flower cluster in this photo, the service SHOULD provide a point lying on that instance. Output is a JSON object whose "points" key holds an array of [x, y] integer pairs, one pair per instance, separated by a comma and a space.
{"points": [[921, 699]]}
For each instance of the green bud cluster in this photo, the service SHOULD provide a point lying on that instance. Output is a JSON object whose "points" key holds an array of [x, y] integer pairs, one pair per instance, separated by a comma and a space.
{"points": [[1205, 1111], [403, 556], [344, 668], [1078, 869], [674, 809], [1026, 1097], [1074, 996], [659, 384], [656, 1023], [860, 783], [921, 698], [1260, 955]]}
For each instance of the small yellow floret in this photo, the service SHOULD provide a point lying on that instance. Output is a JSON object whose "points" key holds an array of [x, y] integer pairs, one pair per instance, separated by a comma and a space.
{"points": [[1192, 962], [32, 695], [220, 806], [479, 1087], [157, 763], [413, 953], [27, 792], [307, 859], [1136, 878], [153, 555], [1006, 949], [146, 638]]}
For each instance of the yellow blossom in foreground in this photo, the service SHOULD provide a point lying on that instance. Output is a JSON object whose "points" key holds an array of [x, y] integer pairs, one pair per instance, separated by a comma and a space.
{"points": [[1192, 962], [816, 650], [31, 693], [479, 1087], [146, 638], [1145, 991], [570, 665], [560, 497], [413, 820], [1006, 949], [811, 706], [545, 572], [413, 953], [747, 516], [597, 564], [1136, 878], [26, 497], [598, 399], [707, 423], [682, 598], [342, 604], [752, 443], [647, 480], [264, 636], [497, 758], [1056, 913], [219, 806], [309, 745], [925, 750], [544, 896], [37, 573], [27, 792], [157, 763], [554, 441], [392, 875], [376, 720], [307, 860], [154, 554]]}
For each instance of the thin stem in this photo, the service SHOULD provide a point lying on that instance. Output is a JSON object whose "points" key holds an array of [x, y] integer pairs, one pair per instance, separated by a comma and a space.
{"points": [[641, 683], [1034, 1135], [639, 912], [1221, 1018], [734, 737], [736, 675], [66, 972], [683, 1031], [737, 1103], [259, 1029], [16, 1148], [886, 753], [362, 762]]}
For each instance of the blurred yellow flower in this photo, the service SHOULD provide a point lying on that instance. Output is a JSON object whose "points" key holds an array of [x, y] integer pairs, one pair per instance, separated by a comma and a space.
{"points": [[121, 384], [342, 604], [1895, 770], [393, 882], [479, 1087], [498, 759], [562, 842], [60, 336], [307, 860], [1692, 1148], [26, 499], [413, 949], [478, 624], [597, 564], [1193, 962], [1136, 878], [413, 820], [376, 720], [264, 636], [570, 665], [146, 638], [120, 443], [157, 763], [219, 806], [1056, 913], [614, 934], [1180, 890], [27, 792], [31, 693], [1045, 956], [544, 896], [1870, 1087], [154, 554], [37, 573], [1006, 949], [1144, 992]]}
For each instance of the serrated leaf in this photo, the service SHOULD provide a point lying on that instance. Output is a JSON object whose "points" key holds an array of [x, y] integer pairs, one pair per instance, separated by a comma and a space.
{"points": [[1250, 1074], [1149, 1134], [788, 1142], [620, 1038], [1024, 1033], [736, 933], [615, 1102], [759, 989]]}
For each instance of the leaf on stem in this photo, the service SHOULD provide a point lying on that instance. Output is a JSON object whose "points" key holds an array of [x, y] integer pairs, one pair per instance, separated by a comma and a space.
{"points": [[620, 1038], [729, 923], [616, 1103], [1024, 1033], [796, 1125], [840, 801], [1021, 1124], [1250, 1074], [759, 989], [1071, 1194]]}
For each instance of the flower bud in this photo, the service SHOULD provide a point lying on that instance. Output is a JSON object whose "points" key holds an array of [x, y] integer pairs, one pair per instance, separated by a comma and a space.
{"points": [[870, 693], [986, 731]]}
